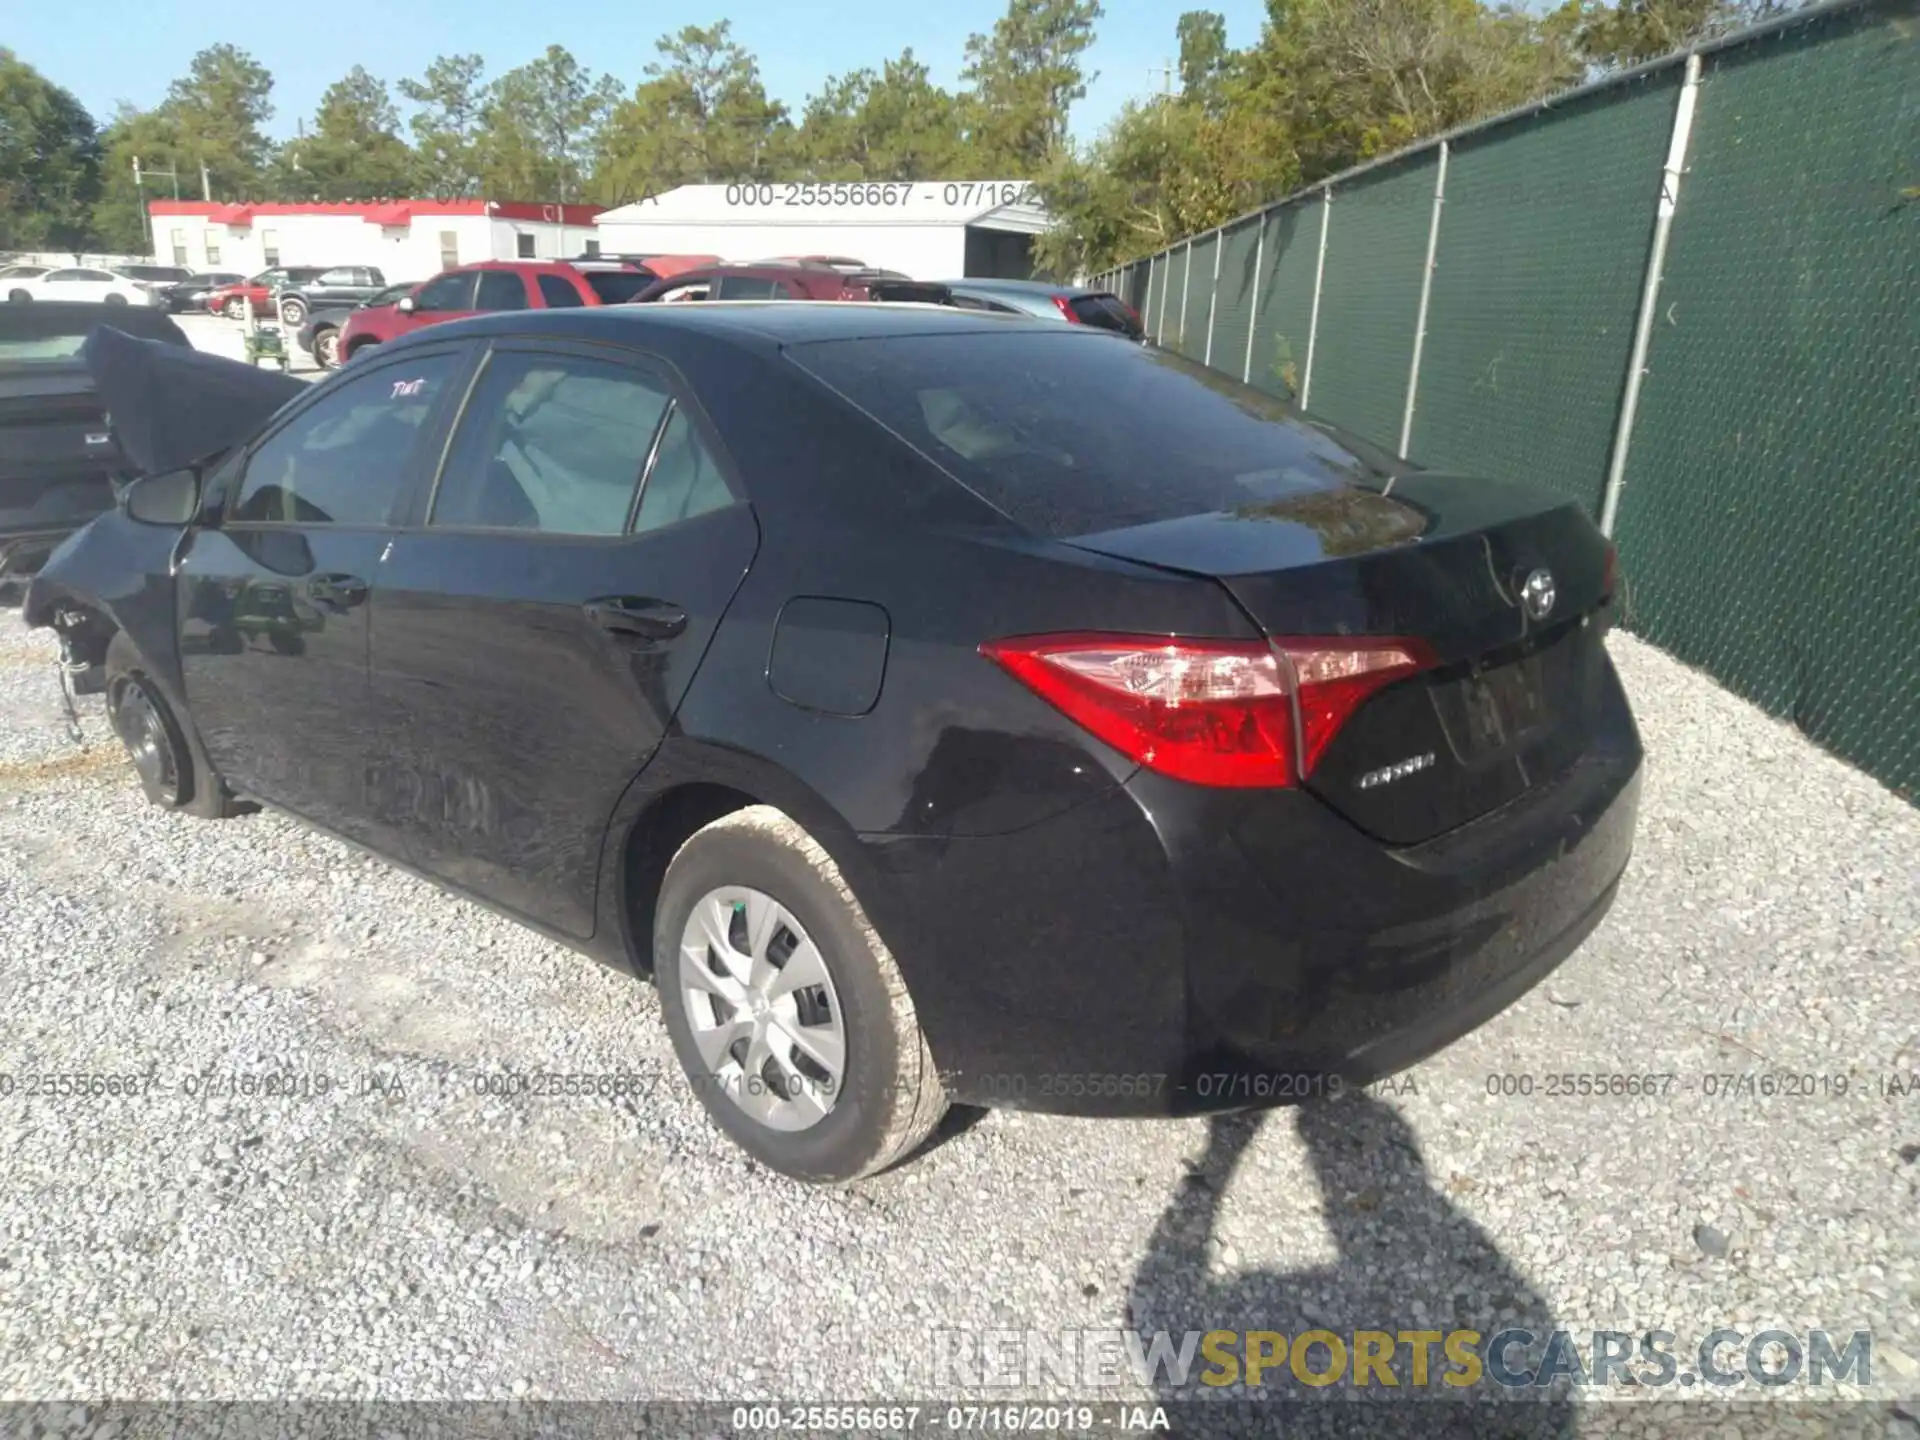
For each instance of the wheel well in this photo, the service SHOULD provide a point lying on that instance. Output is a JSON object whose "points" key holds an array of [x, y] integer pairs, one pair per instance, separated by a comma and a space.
{"points": [[656, 837], [357, 346], [88, 633]]}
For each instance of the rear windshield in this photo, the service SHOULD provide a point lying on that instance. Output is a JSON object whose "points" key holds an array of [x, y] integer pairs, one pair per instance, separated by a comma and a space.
{"points": [[1103, 311], [1069, 434], [616, 287]]}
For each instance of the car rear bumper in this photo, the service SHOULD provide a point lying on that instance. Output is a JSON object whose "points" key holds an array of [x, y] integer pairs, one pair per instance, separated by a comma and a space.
{"points": [[1169, 949]]}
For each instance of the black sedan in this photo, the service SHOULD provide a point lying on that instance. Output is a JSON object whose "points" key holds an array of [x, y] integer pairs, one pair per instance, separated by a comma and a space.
{"points": [[938, 707], [191, 293], [59, 460]]}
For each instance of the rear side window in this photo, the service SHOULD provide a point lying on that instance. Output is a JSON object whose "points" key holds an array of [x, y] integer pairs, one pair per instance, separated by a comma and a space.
{"points": [[749, 287], [553, 443], [556, 293], [684, 481], [1070, 434], [501, 290], [616, 287]]}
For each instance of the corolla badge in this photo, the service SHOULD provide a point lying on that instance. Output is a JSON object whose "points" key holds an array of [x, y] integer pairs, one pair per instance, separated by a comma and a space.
{"points": [[1537, 594]]}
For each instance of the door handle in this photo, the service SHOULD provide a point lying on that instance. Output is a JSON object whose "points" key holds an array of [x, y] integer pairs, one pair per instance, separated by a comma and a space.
{"points": [[637, 617], [337, 592]]}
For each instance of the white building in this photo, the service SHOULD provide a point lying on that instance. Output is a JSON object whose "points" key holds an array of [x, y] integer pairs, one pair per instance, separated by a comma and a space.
{"points": [[929, 229], [406, 239]]}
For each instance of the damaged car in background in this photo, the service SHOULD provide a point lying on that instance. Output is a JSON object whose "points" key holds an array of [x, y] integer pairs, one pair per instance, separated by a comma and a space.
{"points": [[922, 738], [60, 464]]}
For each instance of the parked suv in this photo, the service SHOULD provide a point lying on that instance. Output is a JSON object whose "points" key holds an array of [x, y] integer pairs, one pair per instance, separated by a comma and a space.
{"points": [[342, 285], [493, 285], [232, 300]]}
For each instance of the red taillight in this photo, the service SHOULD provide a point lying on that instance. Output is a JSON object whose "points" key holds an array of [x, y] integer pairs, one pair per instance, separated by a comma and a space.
{"points": [[1213, 712], [1065, 307]]}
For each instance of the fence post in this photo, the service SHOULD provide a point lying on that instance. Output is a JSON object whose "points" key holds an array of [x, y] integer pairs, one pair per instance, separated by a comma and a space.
{"points": [[1213, 300], [1426, 293], [1677, 148], [1319, 273], [1186, 284], [1160, 310], [1253, 312]]}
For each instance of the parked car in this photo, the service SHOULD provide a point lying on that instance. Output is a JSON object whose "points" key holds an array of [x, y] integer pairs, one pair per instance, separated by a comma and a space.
{"points": [[778, 280], [658, 265], [154, 275], [59, 460], [937, 706], [233, 301], [320, 336], [79, 283], [1046, 301], [192, 292], [492, 285], [347, 285]]}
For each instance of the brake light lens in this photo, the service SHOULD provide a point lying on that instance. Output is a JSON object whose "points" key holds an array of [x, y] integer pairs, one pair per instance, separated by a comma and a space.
{"points": [[1211, 712], [1065, 307]]}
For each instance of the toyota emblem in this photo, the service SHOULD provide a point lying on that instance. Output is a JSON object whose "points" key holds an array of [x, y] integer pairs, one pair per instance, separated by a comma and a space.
{"points": [[1537, 594]]}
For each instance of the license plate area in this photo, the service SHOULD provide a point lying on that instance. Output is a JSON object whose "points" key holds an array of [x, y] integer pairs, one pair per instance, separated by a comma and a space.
{"points": [[1496, 711]]}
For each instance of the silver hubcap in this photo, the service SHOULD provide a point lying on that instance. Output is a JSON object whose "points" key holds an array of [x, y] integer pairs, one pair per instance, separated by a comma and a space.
{"points": [[764, 1013]]}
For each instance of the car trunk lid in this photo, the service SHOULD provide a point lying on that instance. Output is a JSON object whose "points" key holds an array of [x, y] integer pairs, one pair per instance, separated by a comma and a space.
{"points": [[1505, 585]]}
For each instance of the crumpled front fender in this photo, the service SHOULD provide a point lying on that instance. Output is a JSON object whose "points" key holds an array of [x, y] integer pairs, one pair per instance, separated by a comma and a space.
{"points": [[120, 571]]}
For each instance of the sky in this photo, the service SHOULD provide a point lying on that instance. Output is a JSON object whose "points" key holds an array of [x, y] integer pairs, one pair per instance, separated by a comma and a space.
{"points": [[131, 49]]}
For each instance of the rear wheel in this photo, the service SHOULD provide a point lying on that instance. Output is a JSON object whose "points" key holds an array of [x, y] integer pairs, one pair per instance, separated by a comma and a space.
{"points": [[785, 1007], [293, 312], [235, 309], [173, 772]]}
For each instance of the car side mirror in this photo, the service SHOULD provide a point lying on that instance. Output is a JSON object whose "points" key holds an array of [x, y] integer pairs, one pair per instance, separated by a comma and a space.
{"points": [[404, 305], [169, 498]]}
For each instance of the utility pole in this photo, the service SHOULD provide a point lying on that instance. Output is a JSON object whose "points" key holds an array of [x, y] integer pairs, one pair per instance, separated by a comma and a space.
{"points": [[1164, 72], [206, 184], [172, 172]]}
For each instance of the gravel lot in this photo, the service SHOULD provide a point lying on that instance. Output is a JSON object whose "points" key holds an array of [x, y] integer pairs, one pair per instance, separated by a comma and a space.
{"points": [[407, 1237]]}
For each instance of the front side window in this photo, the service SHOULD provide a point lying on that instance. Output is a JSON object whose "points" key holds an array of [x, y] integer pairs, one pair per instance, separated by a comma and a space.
{"points": [[65, 277], [343, 460], [553, 443], [446, 292], [501, 290]]}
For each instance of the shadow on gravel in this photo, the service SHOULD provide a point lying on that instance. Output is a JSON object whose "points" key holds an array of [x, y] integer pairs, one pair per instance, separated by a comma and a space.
{"points": [[1408, 1260]]}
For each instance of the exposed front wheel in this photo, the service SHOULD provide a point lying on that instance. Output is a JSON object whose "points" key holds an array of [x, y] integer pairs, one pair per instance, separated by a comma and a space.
{"points": [[173, 772], [785, 1006], [20, 297]]}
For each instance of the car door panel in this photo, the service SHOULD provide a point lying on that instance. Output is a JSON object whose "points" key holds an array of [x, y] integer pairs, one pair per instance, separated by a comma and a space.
{"points": [[522, 678], [274, 599]]}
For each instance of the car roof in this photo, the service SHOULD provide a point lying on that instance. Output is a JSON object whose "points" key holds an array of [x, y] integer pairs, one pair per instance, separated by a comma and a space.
{"points": [[768, 323], [1019, 287]]}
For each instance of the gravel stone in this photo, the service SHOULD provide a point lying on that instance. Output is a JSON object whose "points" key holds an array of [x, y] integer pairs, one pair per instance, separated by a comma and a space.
{"points": [[392, 1224]]}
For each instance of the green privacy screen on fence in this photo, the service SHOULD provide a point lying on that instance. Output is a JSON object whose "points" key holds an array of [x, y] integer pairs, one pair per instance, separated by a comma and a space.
{"points": [[1536, 282], [1370, 297], [1769, 523], [1771, 516]]}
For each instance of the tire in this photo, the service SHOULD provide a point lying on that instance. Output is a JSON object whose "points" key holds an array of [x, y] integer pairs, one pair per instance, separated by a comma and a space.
{"points": [[758, 867], [235, 309], [115, 300], [173, 771], [19, 297], [326, 349], [293, 312]]}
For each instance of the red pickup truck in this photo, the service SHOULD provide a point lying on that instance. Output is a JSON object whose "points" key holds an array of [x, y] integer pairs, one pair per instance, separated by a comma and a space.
{"points": [[493, 285]]}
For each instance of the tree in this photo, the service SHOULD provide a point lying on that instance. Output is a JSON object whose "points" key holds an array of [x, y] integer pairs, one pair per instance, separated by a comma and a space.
{"points": [[446, 127], [894, 125], [218, 109], [701, 116], [540, 125], [1637, 30], [1204, 56], [1024, 77], [153, 137], [355, 151], [49, 162]]}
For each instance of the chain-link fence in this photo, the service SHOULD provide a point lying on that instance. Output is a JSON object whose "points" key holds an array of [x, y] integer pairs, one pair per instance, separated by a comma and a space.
{"points": [[1689, 298]]}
